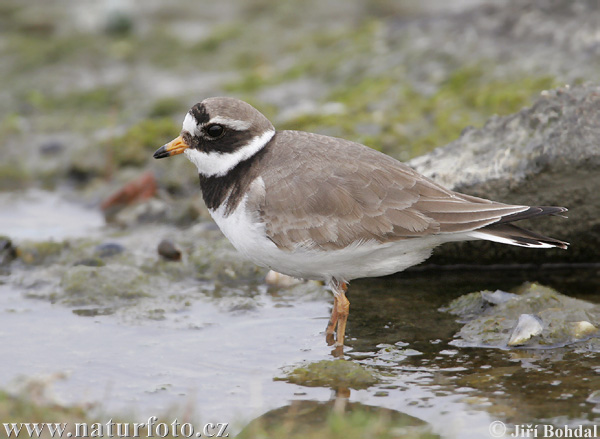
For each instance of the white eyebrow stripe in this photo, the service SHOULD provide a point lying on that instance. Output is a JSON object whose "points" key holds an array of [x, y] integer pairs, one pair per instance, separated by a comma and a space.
{"points": [[238, 125], [190, 124]]}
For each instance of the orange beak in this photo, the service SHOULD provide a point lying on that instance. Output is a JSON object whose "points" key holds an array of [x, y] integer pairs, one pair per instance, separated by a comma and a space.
{"points": [[174, 147]]}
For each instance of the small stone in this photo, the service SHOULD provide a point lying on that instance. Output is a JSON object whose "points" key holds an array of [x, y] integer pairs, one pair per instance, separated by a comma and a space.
{"points": [[51, 147], [90, 262], [594, 397], [7, 251], [527, 326], [169, 251], [141, 189], [109, 249], [582, 329], [280, 280], [497, 297], [335, 374]]}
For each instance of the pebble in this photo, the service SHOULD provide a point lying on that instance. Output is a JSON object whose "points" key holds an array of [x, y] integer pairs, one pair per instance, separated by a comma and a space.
{"points": [[280, 280], [582, 329], [169, 251], [51, 147], [527, 326], [7, 250], [109, 249]]}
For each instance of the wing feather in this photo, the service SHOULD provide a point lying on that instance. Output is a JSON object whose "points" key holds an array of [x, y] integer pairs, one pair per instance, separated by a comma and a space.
{"points": [[321, 192]]}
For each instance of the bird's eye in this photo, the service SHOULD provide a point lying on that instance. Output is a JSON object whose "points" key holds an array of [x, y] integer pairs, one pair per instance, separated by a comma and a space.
{"points": [[215, 130]]}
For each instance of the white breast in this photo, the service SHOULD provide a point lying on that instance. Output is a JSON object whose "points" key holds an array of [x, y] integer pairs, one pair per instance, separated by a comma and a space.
{"points": [[245, 233]]}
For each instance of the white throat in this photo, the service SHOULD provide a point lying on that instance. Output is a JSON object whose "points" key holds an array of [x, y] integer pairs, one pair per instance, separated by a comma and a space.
{"points": [[217, 164]]}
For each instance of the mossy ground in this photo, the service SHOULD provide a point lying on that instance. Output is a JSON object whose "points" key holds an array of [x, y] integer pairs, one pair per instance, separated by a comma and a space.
{"points": [[357, 424], [125, 120], [414, 123], [120, 92], [333, 373]]}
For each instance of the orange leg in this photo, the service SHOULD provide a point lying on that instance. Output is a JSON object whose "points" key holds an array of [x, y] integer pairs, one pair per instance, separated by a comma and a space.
{"points": [[329, 333], [343, 307], [339, 313]]}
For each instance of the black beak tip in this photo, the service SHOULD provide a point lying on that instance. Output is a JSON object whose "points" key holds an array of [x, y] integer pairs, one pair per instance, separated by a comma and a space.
{"points": [[161, 153]]}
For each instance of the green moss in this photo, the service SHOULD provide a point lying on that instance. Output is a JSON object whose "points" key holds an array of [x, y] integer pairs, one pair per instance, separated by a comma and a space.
{"points": [[106, 285], [216, 260], [22, 409], [315, 420], [358, 98], [251, 82], [136, 146], [332, 373], [333, 48], [565, 320], [97, 99], [217, 38], [101, 98], [31, 51], [38, 253], [119, 24], [167, 107], [14, 176], [30, 406], [411, 123], [469, 97]]}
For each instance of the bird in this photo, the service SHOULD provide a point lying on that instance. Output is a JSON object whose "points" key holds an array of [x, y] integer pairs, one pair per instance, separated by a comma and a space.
{"points": [[318, 207]]}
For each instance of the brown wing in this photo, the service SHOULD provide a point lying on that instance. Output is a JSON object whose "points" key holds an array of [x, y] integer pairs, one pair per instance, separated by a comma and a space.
{"points": [[329, 193]]}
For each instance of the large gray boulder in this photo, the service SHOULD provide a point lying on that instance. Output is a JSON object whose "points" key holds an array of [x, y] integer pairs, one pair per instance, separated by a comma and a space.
{"points": [[548, 154]]}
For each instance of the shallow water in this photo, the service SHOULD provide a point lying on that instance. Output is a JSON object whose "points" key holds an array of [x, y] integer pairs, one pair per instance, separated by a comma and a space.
{"points": [[214, 349], [42, 215]]}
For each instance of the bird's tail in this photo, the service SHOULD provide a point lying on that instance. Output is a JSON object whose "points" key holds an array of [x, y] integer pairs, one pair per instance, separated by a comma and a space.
{"points": [[507, 233]]}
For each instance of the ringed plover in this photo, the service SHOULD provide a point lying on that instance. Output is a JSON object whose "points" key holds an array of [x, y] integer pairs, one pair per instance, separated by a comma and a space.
{"points": [[319, 207]]}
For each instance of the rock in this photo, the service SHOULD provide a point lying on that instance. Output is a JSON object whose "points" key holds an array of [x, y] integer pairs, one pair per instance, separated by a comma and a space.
{"points": [[40, 253], [582, 329], [528, 326], [333, 373], [90, 262], [544, 155], [108, 250], [557, 38], [469, 306], [337, 417], [536, 317], [149, 211], [141, 189], [7, 251], [167, 250], [109, 285], [280, 280], [51, 147]]}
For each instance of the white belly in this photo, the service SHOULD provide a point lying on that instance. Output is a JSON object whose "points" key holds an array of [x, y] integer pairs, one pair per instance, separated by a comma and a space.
{"points": [[367, 259]]}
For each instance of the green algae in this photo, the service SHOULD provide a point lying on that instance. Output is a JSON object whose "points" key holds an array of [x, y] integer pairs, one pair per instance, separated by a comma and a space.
{"points": [[14, 176], [220, 35], [412, 123], [135, 147], [26, 407], [317, 420], [564, 320], [95, 99], [218, 261], [165, 107], [84, 285], [41, 253], [334, 374]]}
